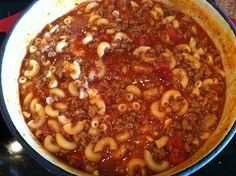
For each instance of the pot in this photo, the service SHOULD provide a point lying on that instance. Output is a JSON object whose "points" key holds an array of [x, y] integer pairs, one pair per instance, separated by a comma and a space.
{"points": [[37, 15]]}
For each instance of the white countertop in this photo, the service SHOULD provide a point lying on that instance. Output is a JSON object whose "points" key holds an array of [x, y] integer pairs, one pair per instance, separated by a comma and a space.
{"points": [[229, 6]]}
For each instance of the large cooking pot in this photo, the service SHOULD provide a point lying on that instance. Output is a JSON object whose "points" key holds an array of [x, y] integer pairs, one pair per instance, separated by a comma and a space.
{"points": [[39, 13]]}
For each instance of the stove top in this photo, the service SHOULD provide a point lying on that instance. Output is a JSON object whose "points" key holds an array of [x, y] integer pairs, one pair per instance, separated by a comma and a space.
{"points": [[15, 162]]}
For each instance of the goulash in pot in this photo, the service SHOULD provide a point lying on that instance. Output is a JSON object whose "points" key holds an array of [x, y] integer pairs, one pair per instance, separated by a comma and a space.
{"points": [[122, 87]]}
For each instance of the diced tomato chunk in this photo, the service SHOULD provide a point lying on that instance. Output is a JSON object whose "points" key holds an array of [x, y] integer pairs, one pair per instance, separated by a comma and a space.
{"points": [[46, 130], [142, 70], [174, 35], [67, 136], [150, 117], [176, 158], [145, 40], [184, 23], [163, 71], [77, 156], [217, 88], [176, 142], [162, 64]]}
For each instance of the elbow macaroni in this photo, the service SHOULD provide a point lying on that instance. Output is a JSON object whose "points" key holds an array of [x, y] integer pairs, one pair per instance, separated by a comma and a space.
{"points": [[61, 106], [150, 93], [104, 142], [76, 70], [62, 44], [93, 18], [155, 110], [182, 75], [63, 120], [121, 152], [122, 107], [196, 88], [91, 6], [53, 82], [90, 154], [102, 47], [63, 143], [209, 81], [70, 129], [193, 44], [168, 95], [161, 142], [183, 47], [193, 60], [102, 21], [33, 104], [95, 122], [121, 36], [151, 164], [40, 119], [122, 137], [100, 105], [72, 89], [210, 60], [51, 145], [133, 164], [28, 99], [134, 4], [101, 68], [51, 112], [34, 70], [57, 92], [133, 90], [219, 71], [54, 125], [159, 11], [136, 106], [184, 108], [149, 2], [141, 50], [93, 131], [170, 57]]}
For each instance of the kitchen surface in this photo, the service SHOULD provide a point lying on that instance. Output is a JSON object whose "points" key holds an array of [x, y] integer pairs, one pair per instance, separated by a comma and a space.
{"points": [[229, 6], [15, 162]]}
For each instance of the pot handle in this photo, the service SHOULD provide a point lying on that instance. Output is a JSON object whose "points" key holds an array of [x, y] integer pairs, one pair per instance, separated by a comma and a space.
{"points": [[7, 23], [233, 21]]}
